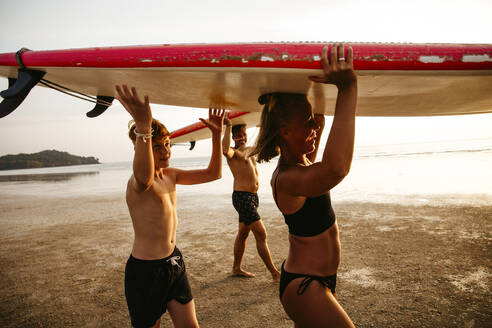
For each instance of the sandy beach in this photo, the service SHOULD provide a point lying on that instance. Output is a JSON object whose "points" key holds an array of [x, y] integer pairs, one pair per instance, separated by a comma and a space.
{"points": [[62, 264]]}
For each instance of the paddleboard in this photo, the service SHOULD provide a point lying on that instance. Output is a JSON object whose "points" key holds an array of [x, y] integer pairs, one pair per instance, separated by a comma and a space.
{"points": [[198, 131], [394, 79]]}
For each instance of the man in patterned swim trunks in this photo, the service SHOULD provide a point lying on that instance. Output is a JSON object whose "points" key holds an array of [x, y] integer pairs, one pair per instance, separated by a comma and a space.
{"points": [[245, 200]]}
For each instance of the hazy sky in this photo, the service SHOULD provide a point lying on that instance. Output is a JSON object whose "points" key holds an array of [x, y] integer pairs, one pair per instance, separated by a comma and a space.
{"points": [[50, 120]]}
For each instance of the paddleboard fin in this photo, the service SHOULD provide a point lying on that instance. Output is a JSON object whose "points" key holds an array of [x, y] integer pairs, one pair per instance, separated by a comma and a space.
{"points": [[103, 102], [192, 144], [19, 89], [11, 81]]}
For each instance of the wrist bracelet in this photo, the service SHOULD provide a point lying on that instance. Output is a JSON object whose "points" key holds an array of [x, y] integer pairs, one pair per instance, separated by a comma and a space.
{"points": [[144, 136]]}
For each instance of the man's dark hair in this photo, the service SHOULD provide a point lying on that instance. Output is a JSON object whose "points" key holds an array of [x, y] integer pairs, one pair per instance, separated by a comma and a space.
{"points": [[236, 128]]}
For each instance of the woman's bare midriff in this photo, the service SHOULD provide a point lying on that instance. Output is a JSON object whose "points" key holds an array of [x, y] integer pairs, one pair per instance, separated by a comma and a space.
{"points": [[318, 255]]}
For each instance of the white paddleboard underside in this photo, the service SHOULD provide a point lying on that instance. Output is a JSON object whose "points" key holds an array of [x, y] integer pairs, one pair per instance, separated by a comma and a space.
{"points": [[381, 93]]}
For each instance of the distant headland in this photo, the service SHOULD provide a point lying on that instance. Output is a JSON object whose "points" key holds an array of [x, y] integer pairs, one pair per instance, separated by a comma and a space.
{"points": [[45, 158]]}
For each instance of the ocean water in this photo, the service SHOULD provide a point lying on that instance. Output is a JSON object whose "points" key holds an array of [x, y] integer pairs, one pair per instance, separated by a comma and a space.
{"points": [[422, 173]]}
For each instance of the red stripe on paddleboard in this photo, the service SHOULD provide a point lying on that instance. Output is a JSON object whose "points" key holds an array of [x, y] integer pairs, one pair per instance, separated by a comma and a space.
{"points": [[273, 55], [199, 125]]}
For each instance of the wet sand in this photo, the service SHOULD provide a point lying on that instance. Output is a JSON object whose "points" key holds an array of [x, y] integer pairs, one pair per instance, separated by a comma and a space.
{"points": [[62, 264]]}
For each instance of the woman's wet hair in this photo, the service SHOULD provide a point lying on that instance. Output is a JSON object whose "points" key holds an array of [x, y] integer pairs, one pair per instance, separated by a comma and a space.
{"points": [[159, 131], [277, 111]]}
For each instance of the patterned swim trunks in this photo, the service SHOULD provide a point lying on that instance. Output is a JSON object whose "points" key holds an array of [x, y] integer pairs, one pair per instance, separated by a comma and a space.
{"points": [[246, 204]]}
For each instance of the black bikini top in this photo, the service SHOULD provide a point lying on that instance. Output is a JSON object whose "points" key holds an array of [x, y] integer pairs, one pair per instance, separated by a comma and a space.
{"points": [[313, 218]]}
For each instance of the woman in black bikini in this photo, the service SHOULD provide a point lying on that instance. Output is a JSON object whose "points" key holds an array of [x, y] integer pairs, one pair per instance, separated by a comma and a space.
{"points": [[301, 189]]}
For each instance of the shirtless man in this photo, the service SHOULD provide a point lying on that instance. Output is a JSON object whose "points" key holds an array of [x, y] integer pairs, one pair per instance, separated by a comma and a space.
{"points": [[245, 200], [155, 274]]}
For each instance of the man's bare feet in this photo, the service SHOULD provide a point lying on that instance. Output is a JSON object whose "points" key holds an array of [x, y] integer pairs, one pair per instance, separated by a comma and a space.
{"points": [[275, 276], [242, 273]]}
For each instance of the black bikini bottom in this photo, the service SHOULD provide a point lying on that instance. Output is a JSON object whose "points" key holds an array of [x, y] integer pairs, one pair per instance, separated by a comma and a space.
{"points": [[286, 277]]}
